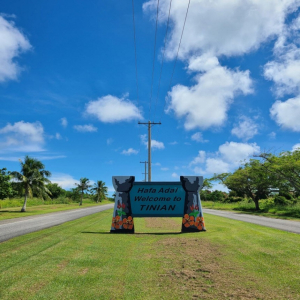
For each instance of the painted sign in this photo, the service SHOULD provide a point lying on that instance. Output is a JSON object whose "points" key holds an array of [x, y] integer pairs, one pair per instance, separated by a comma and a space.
{"points": [[157, 199]]}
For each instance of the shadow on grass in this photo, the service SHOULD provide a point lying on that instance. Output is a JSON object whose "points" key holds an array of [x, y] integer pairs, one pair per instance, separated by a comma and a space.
{"points": [[138, 233]]}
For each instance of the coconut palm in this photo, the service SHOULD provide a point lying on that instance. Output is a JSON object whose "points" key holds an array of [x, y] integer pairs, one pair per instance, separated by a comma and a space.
{"points": [[32, 179], [100, 190], [82, 186]]}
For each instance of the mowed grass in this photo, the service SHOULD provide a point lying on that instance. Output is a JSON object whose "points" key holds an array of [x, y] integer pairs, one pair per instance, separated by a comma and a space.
{"points": [[15, 212], [82, 260]]}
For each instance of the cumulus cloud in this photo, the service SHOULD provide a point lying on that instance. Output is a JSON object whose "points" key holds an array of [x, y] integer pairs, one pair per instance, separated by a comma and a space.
{"points": [[229, 156], [198, 137], [286, 114], [22, 137], [64, 122], [199, 159], [285, 71], [211, 25], [246, 129], [130, 151], [236, 153], [110, 109], [154, 144], [164, 169], [12, 43], [207, 102], [85, 128]]}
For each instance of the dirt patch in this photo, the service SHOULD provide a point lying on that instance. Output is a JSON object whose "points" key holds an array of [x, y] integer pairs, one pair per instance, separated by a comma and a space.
{"points": [[83, 271], [195, 269], [163, 224], [62, 265]]}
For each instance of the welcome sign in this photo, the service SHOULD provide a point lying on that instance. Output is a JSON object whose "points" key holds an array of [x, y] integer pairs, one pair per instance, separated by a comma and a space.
{"points": [[157, 199]]}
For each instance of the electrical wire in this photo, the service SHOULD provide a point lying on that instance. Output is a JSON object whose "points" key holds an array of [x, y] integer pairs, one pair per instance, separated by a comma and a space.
{"points": [[135, 56], [163, 56], [187, 10], [153, 67]]}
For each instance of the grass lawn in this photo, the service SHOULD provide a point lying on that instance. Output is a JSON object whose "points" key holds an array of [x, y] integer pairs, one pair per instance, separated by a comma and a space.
{"points": [[274, 211], [15, 212], [82, 260]]}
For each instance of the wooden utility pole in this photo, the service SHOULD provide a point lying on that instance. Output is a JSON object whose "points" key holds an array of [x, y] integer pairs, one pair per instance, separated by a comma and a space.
{"points": [[149, 124], [145, 162]]}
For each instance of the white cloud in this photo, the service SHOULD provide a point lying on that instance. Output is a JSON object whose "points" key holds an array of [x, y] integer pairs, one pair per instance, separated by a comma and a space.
{"points": [[64, 122], [58, 136], [65, 181], [229, 156], [110, 109], [198, 137], [207, 102], [285, 71], [286, 114], [219, 187], [12, 43], [157, 145], [199, 159], [130, 151], [246, 129], [154, 144], [175, 175], [296, 147], [236, 153], [164, 169], [85, 128], [212, 25], [22, 136], [216, 165], [173, 143]]}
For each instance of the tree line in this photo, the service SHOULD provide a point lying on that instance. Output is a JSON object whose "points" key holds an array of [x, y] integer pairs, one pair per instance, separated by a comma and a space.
{"points": [[33, 180], [261, 176]]}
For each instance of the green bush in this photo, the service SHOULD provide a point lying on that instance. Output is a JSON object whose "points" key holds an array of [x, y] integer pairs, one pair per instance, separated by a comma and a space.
{"points": [[281, 200], [286, 195]]}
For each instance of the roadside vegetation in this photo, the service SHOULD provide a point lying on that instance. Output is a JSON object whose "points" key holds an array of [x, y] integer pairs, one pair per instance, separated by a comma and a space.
{"points": [[268, 185], [82, 260], [31, 186]]}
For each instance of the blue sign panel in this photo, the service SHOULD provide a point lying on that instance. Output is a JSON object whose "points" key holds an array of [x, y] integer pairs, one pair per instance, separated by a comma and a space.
{"points": [[157, 199]]}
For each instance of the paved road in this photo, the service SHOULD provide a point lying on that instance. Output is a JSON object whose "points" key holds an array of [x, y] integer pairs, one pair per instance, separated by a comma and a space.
{"points": [[15, 227], [286, 225]]}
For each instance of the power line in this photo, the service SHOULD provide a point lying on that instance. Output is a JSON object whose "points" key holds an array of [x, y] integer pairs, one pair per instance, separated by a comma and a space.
{"points": [[136, 70], [153, 59], [163, 56], [186, 14]]}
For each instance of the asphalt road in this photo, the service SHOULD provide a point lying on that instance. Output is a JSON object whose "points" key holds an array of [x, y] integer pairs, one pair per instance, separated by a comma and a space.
{"points": [[16, 227], [286, 225]]}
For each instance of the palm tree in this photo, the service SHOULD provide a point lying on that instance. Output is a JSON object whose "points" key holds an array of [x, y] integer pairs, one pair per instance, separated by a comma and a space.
{"points": [[100, 190], [32, 179], [82, 186]]}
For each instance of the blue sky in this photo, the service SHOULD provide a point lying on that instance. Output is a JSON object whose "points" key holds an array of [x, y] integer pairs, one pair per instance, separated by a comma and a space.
{"points": [[68, 88]]}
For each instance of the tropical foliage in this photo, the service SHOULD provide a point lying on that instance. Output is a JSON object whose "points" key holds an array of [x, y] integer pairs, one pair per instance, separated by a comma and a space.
{"points": [[32, 179], [82, 186], [100, 190]]}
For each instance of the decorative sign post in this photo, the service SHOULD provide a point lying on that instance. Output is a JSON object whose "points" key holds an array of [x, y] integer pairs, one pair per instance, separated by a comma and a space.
{"points": [[157, 199]]}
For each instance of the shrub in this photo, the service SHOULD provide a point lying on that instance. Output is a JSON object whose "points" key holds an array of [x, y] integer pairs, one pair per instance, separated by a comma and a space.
{"points": [[280, 200]]}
